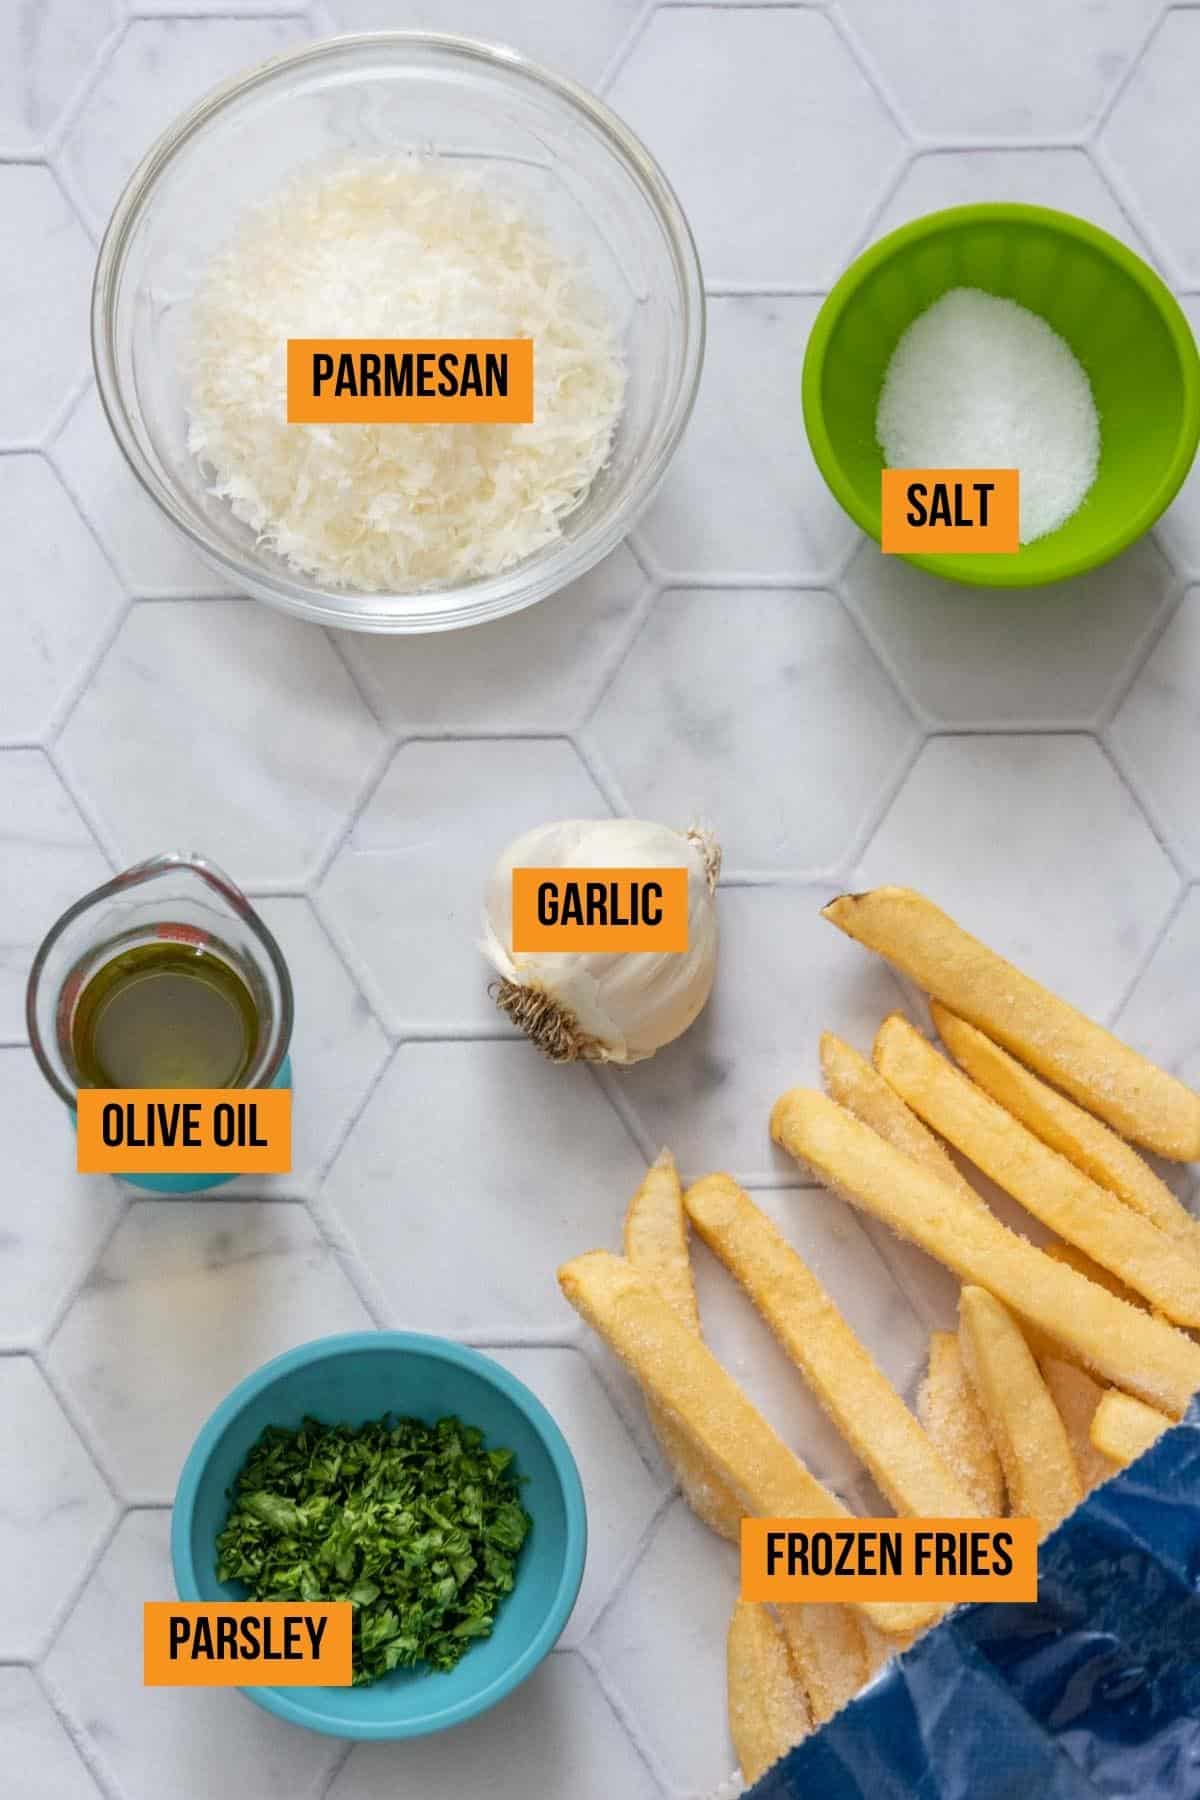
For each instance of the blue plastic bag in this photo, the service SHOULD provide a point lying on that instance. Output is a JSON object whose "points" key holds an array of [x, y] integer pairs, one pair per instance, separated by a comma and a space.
{"points": [[1094, 1690]]}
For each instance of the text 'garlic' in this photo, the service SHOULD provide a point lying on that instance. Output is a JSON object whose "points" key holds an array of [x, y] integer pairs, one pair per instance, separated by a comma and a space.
{"points": [[609, 1006]]}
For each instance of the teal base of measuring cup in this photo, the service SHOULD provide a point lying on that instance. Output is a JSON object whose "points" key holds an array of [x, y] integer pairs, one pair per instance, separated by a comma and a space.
{"points": [[196, 1184]]}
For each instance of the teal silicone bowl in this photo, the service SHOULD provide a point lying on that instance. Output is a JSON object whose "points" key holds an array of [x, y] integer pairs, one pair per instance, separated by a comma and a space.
{"points": [[1122, 323], [352, 1379]]}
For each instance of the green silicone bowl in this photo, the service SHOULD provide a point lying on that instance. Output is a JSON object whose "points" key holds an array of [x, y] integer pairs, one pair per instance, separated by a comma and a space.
{"points": [[1119, 319]]}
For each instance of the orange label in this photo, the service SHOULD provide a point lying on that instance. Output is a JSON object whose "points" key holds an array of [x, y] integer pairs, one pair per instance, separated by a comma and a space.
{"points": [[409, 381], [250, 1643], [184, 1131], [889, 1559], [600, 909], [931, 510]]}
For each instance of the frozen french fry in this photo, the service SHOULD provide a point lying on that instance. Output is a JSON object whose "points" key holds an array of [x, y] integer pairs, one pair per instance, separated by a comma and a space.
{"points": [[1039, 1468], [852, 1081], [682, 1376], [656, 1243], [767, 1711], [1085, 1141], [1122, 1427], [1077, 1396], [843, 1375], [1078, 1259], [1045, 1183], [1114, 1340], [1074, 1258], [953, 1418], [1142, 1102], [656, 1238], [829, 1651]]}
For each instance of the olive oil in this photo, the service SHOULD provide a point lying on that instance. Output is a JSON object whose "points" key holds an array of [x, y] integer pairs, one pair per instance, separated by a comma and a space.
{"points": [[164, 1015]]}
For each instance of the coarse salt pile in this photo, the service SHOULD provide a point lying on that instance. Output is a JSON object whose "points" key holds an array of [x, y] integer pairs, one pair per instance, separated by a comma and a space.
{"points": [[398, 248], [981, 383]]}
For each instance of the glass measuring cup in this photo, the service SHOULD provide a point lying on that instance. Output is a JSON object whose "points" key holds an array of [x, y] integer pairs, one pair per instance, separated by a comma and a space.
{"points": [[175, 897]]}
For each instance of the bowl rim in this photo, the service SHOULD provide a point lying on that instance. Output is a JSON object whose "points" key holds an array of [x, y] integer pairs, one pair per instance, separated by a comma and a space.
{"points": [[490, 597], [958, 567], [282, 1701]]}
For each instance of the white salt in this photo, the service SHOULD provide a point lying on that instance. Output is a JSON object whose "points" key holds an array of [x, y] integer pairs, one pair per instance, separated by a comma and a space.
{"points": [[977, 382]]}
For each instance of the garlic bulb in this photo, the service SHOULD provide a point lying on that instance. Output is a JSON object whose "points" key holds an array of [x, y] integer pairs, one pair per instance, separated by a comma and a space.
{"points": [[617, 1007]]}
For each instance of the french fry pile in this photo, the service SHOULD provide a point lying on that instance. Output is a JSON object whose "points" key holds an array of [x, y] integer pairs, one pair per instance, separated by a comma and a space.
{"points": [[1068, 1362]]}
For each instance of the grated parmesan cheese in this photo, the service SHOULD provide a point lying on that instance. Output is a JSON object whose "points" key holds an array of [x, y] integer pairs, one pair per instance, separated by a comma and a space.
{"points": [[398, 248]]}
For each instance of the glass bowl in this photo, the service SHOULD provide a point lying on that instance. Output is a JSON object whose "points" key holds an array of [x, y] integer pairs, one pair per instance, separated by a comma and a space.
{"points": [[563, 153]]}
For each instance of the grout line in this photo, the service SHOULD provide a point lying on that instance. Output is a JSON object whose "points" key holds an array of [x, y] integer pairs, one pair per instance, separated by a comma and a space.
{"points": [[106, 845], [98, 1552], [77, 1736], [1143, 805], [607, 788], [639, 623], [78, 1421], [626, 1719], [1137, 57], [335, 639], [1160, 936], [71, 109], [386, 754], [57, 1318], [1148, 233], [629, 1725], [608, 1080], [341, 1758], [867, 67], [624, 50], [1175, 594]]}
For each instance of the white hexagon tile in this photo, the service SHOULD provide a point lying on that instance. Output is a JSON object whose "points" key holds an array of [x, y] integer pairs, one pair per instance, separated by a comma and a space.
{"points": [[777, 519], [233, 723], [53, 860], [227, 1284], [43, 1554], [157, 69], [454, 1138], [50, 1240], [35, 1749], [62, 599], [790, 96], [404, 893], [149, 1742], [529, 673], [746, 659], [716, 673], [45, 272]]}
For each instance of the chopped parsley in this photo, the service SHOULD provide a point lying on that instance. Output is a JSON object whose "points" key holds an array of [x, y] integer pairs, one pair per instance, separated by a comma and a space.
{"points": [[418, 1525]]}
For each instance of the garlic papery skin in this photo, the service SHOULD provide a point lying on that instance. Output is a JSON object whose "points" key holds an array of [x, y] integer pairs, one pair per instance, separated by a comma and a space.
{"points": [[615, 1006]]}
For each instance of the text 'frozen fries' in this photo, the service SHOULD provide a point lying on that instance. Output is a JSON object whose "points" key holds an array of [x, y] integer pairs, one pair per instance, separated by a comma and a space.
{"points": [[1110, 1337], [683, 1377], [853, 1390], [1039, 1468], [1136, 1098], [1045, 1183]]}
